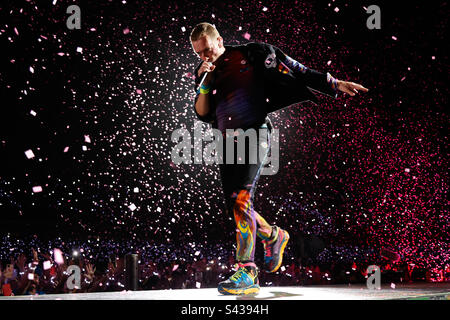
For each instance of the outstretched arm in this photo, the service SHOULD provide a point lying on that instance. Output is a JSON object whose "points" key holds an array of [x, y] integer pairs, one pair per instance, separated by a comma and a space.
{"points": [[322, 82]]}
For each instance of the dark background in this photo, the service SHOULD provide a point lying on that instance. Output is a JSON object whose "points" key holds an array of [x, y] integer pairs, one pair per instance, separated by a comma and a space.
{"points": [[365, 172]]}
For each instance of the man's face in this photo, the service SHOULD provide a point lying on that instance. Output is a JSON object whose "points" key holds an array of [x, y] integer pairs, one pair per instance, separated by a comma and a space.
{"points": [[208, 49]]}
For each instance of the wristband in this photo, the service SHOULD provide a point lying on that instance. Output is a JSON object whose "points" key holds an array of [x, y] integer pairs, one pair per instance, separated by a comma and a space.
{"points": [[204, 90]]}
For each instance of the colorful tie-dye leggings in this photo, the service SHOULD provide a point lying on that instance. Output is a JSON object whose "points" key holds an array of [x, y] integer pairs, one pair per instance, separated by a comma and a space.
{"points": [[239, 184]]}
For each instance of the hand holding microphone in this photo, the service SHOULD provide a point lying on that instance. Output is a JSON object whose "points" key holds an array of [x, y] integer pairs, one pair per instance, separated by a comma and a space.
{"points": [[206, 68]]}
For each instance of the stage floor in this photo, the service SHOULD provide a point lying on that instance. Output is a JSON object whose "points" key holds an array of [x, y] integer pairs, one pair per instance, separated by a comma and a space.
{"points": [[417, 291]]}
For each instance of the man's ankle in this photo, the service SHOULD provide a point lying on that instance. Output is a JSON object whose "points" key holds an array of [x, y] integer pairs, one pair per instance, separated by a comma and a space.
{"points": [[250, 266]]}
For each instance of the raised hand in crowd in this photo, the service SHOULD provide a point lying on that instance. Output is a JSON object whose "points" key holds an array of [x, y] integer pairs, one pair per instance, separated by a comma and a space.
{"points": [[35, 256], [21, 262], [90, 271]]}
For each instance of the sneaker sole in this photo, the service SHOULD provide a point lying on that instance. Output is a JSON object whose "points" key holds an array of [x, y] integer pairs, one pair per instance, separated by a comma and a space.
{"points": [[283, 245], [241, 291]]}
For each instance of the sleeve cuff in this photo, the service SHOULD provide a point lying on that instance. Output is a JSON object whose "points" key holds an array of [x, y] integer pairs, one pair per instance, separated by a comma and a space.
{"points": [[332, 83]]}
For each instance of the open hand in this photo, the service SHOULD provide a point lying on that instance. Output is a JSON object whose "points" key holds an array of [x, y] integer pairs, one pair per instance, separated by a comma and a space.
{"points": [[350, 88], [21, 261], [90, 270]]}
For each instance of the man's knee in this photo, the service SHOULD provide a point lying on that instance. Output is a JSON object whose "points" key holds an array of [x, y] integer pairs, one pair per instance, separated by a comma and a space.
{"points": [[239, 203], [243, 204]]}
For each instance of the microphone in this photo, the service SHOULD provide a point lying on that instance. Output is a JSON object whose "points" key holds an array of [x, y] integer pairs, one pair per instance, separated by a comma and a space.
{"points": [[204, 76]]}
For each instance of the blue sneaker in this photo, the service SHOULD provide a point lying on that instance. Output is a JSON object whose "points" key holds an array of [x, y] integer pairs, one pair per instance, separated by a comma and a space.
{"points": [[242, 282]]}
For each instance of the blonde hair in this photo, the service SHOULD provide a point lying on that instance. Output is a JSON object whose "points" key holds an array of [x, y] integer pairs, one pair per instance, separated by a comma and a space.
{"points": [[204, 29]]}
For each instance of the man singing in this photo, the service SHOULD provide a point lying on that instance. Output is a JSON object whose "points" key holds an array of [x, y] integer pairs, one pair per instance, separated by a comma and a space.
{"points": [[237, 86]]}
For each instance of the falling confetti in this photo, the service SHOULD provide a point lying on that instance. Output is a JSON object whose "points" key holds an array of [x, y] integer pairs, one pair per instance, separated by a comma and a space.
{"points": [[29, 154], [37, 189], [360, 173]]}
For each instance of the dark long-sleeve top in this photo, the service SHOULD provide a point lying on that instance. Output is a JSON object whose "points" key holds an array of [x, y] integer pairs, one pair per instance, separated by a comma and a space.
{"points": [[254, 79]]}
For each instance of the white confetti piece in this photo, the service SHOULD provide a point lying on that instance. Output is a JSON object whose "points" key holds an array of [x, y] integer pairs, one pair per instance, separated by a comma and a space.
{"points": [[66, 149], [132, 207], [37, 189], [31, 69], [33, 113], [87, 139], [58, 256], [29, 154], [136, 190], [47, 265]]}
